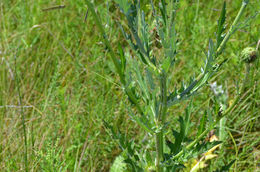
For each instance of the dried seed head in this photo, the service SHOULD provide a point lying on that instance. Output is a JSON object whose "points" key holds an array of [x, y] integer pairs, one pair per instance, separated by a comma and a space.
{"points": [[249, 55]]}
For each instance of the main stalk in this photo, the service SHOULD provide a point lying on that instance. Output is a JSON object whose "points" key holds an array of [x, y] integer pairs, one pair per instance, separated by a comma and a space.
{"points": [[160, 122]]}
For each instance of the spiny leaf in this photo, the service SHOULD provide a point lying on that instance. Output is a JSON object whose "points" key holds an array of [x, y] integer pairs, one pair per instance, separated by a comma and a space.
{"points": [[194, 85], [183, 93], [132, 19]]}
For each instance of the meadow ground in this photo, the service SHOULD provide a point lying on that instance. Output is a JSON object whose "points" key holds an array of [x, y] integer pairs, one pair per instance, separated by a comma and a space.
{"points": [[54, 65]]}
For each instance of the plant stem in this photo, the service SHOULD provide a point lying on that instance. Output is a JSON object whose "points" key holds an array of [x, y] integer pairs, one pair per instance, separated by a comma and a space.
{"points": [[160, 122], [22, 118], [232, 28], [159, 151], [226, 38], [230, 32], [164, 106], [223, 115]]}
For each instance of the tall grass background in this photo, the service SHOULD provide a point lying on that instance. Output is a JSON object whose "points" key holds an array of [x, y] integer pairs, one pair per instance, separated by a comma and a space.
{"points": [[57, 84]]}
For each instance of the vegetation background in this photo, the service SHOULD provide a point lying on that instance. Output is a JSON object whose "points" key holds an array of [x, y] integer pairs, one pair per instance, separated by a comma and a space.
{"points": [[57, 84]]}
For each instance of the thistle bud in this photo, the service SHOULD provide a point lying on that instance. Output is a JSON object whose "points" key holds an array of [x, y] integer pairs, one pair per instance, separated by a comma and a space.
{"points": [[249, 55]]}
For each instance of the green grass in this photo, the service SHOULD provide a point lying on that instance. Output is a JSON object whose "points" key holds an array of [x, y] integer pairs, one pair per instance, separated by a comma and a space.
{"points": [[67, 86]]}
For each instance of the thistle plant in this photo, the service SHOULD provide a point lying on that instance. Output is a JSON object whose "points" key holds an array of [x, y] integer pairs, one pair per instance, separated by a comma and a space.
{"points": [[145, 78]]}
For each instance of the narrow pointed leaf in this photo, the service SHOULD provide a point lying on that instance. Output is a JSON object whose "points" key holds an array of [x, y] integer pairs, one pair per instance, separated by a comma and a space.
{"points": [[221, 25]]}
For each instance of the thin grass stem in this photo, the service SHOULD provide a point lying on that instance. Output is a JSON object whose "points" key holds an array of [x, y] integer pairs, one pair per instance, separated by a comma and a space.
{"points": [[22, 119], [232, 28]]}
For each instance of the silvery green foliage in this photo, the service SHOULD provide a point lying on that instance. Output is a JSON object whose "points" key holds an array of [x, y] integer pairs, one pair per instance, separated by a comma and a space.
{"points": [[142, 75], [145, 80]]}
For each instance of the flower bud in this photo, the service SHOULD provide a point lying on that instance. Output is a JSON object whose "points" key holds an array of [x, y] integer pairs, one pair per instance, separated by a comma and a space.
{"points": [[249, 55]]}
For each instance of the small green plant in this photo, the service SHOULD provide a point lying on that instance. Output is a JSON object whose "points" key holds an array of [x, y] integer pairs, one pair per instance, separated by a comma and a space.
{"points": [[145, 75], [50, 157]]}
